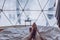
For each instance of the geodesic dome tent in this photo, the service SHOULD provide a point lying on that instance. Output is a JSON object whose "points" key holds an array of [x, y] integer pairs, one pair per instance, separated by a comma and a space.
{"points": [[15, 12]]}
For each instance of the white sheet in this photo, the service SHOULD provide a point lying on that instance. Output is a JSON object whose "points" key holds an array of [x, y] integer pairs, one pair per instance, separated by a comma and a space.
{"points": [[49, 33]]}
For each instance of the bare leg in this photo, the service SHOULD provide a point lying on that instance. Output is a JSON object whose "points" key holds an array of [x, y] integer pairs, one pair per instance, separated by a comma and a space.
{"points": [[34, 39], [30, 38]]}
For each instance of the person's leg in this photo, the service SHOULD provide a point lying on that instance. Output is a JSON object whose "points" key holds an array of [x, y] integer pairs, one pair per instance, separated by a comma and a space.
{"points": [[59, 22], [34, 37], [30, 38]]}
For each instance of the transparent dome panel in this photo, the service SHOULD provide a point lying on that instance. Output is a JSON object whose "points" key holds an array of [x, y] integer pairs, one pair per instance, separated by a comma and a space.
{"points": [[16, 12]]}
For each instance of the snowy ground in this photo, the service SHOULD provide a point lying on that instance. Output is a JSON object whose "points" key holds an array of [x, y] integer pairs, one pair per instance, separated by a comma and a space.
{"points": [[50, 33]]}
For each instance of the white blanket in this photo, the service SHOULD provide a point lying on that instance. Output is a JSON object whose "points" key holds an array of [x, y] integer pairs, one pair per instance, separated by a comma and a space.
{"points": [[49, 33]]}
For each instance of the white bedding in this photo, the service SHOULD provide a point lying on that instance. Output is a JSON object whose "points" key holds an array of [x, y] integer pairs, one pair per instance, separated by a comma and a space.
{"points": [[49, 33]]}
